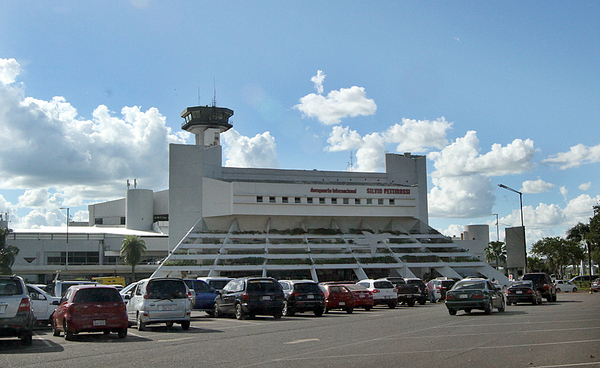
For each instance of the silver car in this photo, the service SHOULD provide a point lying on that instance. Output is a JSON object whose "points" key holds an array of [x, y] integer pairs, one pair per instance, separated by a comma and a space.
{"points": [[159, 300]]}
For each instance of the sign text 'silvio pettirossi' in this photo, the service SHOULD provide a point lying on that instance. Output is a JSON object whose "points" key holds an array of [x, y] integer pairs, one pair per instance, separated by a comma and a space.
{"points": [[369, 190]]}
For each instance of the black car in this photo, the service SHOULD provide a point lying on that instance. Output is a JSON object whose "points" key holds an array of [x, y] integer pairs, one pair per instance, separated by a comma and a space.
{"points": [[301, 296], [16, 315], [249, 296], [422, 289], [523, 292], [543, 283]]}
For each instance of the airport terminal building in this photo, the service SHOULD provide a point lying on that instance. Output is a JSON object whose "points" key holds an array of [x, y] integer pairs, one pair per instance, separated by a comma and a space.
{"points": [[310, 224]]}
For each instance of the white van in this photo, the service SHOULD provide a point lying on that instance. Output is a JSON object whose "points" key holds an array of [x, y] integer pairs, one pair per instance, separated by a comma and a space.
{"points": [[59, 288], [159, 300]]}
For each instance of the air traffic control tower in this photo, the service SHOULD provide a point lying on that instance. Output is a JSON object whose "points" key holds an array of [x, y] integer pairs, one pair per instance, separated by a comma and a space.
{"points": [[206, 123]]}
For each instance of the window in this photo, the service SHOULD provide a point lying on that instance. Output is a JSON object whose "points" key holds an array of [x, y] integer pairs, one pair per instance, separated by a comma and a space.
{"points": [[333, 200], [122, 220], [346, 200], [321, 200], [284, 199], [271, 199], [380, 201], [259, 199], [98, 221], [392, 202], [309, 200], [356, 200], [297, 200], [369, 201]]}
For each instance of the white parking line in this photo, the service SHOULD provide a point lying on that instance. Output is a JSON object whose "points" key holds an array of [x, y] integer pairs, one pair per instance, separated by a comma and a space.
{"points": [[301, 341]]}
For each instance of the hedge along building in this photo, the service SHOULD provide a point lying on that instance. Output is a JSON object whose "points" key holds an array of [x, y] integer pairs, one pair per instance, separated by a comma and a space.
{"points": [[320, 225]]}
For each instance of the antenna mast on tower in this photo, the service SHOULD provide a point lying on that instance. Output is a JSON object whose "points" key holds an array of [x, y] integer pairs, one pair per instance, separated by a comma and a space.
{"points": [[351, 163]]}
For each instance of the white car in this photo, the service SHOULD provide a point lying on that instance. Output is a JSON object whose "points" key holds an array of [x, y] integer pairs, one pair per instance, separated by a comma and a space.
{"points": [[42, 303], [566, 286], [384, 292]]}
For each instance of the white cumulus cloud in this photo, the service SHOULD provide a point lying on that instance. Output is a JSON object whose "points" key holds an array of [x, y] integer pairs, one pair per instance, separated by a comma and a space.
{"points": [[536, 186], [9, 70], [242, 151], [576, 156]]}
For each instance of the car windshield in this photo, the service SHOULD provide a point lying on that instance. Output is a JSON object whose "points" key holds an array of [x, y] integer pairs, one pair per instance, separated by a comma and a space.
{"points": [[521, 284], [10, 287], [201, 287], [97, 295], [383, 285], [166, 289], [218, 284], [307, 287], [264, 286], [469, 285], [356, 287], [337, 289]]}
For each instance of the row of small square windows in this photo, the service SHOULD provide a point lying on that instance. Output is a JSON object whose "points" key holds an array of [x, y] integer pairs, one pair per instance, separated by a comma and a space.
{"points": [[322, 200]]}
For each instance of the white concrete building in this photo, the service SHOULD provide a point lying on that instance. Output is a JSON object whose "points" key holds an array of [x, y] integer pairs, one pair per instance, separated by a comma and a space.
{"points": [[323, 225]]}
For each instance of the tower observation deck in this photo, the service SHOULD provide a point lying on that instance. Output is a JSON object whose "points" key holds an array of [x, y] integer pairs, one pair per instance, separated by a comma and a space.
{"points": [[202, 119]]}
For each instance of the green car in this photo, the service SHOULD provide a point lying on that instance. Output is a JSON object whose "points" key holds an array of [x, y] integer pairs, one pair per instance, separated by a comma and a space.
{"points": [[469, 294]]}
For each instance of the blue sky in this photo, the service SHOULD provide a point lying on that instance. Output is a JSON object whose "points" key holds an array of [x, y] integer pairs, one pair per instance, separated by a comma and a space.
{"points": [[504, 92]]}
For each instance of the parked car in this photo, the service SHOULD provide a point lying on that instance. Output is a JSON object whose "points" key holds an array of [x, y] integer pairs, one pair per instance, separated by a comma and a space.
{"points": [[384, 292], [422, 289], [301, 296], [583, 278], [474, 293], [16, 314], [337, 297], [363, 298], [204, 295], [217, 283], [523, 292], [565, 286], [43, 304], [543, 283], [595, 287], [127, 290], [407, 293], [436, 288], [159, 300], [59, 288], [90, 308], [249, 296]]}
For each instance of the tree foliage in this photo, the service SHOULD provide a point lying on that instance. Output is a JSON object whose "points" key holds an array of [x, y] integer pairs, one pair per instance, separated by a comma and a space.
{"points": [[558, 253], [495, 251], [8, 253], [132, 251]]}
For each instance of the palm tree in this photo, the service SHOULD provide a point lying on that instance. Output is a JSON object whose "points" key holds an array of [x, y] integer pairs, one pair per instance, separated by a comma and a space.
{"points": [[8, 253], [495, 251], [132, 250]]}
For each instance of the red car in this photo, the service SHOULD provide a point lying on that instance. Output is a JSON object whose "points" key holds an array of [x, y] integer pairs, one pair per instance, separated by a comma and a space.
{"points": [[338, 297], [363, 297], [90, 308]]}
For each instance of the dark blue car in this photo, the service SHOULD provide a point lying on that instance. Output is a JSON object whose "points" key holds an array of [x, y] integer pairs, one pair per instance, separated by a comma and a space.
{"points": [[205, 295]]}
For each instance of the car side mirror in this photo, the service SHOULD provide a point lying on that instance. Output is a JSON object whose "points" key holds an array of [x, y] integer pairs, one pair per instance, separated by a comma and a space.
{"points": [[56, 302], [127, 297]]}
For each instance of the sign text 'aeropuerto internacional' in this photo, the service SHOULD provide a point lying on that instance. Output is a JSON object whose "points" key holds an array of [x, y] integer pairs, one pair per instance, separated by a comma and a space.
{"points": [[369, 190]]}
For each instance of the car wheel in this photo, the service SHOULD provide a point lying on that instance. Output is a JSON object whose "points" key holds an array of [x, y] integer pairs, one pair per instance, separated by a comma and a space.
{"points": [[488, 307], [392, 305], [169, 324], [318, 312], [185, 325], [106, 332], [216, 311], [558, 290], [349, 310], [468, 310], [287, 311], [554, 297], [141, 326], [502, 307], [122, 333], [68, 333], [277, 314], [368, 308], [508, 303], [411, 303], [55, 331], [27, 337], [574, 289], [239, 312], [452, 311], [326, 310]]}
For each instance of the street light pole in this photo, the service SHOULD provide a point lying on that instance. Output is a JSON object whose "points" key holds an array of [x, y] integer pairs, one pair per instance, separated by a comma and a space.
{"points": [[497, 228], [522, 225], [67, 254]]}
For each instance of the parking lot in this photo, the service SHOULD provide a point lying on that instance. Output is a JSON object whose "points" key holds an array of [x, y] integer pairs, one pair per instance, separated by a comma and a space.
{"points": [[561, 334]]}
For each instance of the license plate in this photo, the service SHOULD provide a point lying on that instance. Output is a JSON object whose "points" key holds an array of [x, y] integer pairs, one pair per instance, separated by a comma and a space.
{"points": [[519, 292], [267, 297], [342, 303], [310, 296], [362, 296], [166, 307], [99, 322], [464, 296]]}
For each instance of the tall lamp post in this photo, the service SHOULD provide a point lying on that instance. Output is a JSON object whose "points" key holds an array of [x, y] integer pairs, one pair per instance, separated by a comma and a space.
{"points": [[522, 226], [67, 255]]}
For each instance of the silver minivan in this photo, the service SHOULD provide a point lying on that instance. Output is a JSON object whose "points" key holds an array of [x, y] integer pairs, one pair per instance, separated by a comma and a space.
{"points": [[159, 300]]}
